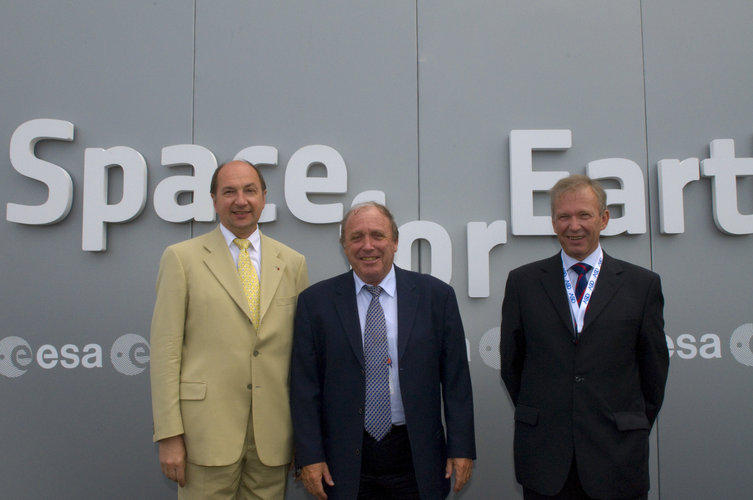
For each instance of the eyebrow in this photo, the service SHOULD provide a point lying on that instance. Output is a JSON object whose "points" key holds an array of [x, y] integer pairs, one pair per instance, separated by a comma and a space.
{"points": [[230, 186]]}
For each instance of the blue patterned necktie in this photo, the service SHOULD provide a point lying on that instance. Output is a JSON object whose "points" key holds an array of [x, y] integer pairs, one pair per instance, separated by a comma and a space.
{"points": [[378, 418], [580, 286]]}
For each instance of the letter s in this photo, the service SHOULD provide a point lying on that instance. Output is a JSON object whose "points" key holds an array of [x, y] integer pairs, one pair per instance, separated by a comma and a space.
{"points": [[58, 181]]}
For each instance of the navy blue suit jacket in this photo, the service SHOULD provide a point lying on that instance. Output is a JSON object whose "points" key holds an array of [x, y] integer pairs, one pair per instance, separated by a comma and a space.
{"points": [[328, 385], [595, 401]]}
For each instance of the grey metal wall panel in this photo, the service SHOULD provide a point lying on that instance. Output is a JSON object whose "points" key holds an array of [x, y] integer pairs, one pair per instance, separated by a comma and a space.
{"points": [[121, 72], [335, 73], [486, 69], [698, 89]]}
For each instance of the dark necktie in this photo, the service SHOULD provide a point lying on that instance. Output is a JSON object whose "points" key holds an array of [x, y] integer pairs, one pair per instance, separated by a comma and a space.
{"points": [[580, 286], [378, 418]]}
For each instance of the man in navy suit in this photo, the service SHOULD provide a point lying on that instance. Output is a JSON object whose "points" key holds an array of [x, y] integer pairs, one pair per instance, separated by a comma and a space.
{"points": [[338, 326], [584, 359]]}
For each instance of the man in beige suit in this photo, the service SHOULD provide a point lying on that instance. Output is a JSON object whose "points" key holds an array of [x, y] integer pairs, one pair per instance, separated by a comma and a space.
{"points": [[219, 363]]}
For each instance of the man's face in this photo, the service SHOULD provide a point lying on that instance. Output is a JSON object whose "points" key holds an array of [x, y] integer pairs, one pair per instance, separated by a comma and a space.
{"points": [[239, 199], [577, 222], [369, 244]]}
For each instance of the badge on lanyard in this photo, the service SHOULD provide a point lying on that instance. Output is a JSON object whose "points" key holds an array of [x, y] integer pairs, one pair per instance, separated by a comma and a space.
{"points": [[579, 310]]}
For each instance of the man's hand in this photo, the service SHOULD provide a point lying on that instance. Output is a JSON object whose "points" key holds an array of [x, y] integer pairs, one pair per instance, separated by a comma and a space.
{"points": [[172, 459], [462, 468], [312, 476]]}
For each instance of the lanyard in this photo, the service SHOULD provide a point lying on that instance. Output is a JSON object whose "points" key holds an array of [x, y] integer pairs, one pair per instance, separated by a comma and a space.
{"points": [[579, 311]]}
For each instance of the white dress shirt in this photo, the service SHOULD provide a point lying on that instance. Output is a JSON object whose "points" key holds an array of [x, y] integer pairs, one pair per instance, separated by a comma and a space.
{"points": [[591, 260], [254, 251]]}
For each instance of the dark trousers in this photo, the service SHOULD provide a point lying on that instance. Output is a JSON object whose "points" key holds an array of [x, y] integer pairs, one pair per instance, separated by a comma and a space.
{"points": [[572, 490], [387, 467]]}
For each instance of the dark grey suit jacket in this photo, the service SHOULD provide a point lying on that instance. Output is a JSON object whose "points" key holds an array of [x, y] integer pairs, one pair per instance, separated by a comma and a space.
{"points": [[595, 400], [327, 380]]}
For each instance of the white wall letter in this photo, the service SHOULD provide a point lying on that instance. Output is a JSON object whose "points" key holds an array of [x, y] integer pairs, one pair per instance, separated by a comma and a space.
{"points": [[673, 176], [481, 240], [724, 168], [711, 346], [167, 191], [524, 181], [92, 356], [69, 356], [97, 211], [632, 196], [439, 241], [298, 184], [58, 181], [670, 345], [47, 356]]}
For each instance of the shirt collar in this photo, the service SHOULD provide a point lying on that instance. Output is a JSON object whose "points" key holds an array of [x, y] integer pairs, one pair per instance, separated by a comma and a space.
{"points": [[591, 260], [388, 284], [255, 237]]}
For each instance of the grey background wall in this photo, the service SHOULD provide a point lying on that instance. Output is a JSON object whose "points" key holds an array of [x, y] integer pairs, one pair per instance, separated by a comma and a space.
{"points": [[419, 98]]}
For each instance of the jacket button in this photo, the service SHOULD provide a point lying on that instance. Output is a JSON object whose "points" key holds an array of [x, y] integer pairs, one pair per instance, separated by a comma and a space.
{"points": [[249, 387], [256, 353], [579, 379], [358, 452], [360, 411], [363, 373]]}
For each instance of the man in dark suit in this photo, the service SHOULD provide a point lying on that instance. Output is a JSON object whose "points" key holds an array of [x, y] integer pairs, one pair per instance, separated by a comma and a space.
{"points": [[584, 359], [376, 352]]}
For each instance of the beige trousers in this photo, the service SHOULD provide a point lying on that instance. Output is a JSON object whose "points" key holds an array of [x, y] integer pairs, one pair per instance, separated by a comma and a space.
{"points": [[247, 479]]}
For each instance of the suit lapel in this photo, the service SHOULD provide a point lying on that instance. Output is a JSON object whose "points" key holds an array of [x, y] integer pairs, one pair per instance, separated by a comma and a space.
{"points": [[554, 285], [347, 311], [220, 264], [272, 270], [407, 308], [607, 284]]}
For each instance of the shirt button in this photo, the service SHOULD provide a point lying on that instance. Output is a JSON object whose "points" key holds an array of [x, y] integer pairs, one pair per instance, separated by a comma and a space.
{"points": [[579, 379]]}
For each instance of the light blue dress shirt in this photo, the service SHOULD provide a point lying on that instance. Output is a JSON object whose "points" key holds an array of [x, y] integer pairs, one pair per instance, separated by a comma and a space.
{"points": [[388, 301]]}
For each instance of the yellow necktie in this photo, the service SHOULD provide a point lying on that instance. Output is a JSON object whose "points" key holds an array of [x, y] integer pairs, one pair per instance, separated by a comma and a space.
{"points": [[249, 279]]}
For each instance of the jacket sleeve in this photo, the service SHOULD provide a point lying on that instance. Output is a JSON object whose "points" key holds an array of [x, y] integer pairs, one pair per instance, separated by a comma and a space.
{"points": [[512, 345], [652, 352], [457, 392], [166, 346], [305, 390]]}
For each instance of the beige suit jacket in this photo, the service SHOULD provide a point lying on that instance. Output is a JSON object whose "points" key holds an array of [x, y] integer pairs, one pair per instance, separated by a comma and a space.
{"points": [[208, 362]]}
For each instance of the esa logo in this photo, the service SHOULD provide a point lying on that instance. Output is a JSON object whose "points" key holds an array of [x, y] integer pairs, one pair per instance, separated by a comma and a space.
{"points": [[708, 345], [684, 346], [129, 355], [688, 346]]}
